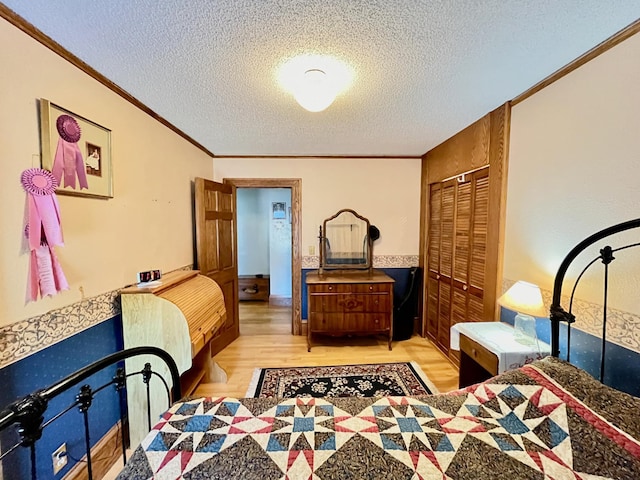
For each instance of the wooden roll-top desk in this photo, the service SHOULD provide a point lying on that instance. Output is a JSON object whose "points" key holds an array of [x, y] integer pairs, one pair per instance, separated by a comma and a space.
{"points": [[180, 314]]}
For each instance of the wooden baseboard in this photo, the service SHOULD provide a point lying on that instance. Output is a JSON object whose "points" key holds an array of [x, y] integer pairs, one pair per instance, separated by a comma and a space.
{"points": [[277, 301], [104, 455]]}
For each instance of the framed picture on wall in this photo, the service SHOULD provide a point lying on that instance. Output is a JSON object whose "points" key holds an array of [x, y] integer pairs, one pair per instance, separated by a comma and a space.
{"points": [[279, 210], [77, 151]]}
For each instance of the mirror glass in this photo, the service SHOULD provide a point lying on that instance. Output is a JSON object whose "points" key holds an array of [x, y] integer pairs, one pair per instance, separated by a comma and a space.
{"points": [[346, 242]]}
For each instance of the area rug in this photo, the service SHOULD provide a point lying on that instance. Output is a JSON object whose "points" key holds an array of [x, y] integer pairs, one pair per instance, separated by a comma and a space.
{"points": [[366, 380]]}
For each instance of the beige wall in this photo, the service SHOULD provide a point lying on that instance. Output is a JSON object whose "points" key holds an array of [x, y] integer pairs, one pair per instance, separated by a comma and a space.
{"points": [[574, 169], [148, 224], [386, 191]]}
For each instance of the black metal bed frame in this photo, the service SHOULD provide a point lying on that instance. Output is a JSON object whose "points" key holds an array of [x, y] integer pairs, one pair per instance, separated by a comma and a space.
{"points": [[27, 413], [558, 314]]}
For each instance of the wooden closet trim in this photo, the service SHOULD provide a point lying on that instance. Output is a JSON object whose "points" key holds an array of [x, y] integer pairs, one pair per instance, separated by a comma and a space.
{"points": [[498, 173]]}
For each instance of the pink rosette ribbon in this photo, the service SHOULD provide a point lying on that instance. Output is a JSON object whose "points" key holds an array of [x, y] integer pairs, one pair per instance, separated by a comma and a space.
{"points": [[43, 231], [68, 158]]}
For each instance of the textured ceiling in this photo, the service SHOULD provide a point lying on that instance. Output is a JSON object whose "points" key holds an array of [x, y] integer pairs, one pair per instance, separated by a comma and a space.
{"points": [[423, 69]]}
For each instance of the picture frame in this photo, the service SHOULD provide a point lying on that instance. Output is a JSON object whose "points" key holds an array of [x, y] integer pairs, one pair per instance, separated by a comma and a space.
{"points": [[77, 151], [279, 210]]}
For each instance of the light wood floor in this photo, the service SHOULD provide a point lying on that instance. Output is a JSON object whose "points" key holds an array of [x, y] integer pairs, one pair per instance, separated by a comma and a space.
{"points": [[266, 341]]}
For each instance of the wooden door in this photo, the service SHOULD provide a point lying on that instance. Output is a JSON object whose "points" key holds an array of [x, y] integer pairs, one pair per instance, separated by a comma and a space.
{"points": [[433, 261], [216, 244], [479, 230], [458, 216], [445, 273]]}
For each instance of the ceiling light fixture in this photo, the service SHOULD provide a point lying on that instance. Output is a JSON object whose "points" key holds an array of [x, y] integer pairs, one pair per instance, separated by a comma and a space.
{"points": [[315, 92], [315, 80]]}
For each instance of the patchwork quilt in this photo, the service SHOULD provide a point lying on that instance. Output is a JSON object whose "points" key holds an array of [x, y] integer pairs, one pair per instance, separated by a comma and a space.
{"points": [[547, 420]]}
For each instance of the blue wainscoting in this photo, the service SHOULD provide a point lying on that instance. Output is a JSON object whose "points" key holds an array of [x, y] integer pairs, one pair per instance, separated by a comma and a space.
{"points": [[622, 366], [400, 275], [46, 367]]}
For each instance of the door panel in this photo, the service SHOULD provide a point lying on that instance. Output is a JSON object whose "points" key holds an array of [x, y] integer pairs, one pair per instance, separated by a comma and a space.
{"points": [[432, 307], [447, 228], [479, 229], [216, 257]]}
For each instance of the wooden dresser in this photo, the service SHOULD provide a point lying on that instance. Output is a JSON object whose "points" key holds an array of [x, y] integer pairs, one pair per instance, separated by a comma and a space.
{"points": [[180, 315], [349, 303]]}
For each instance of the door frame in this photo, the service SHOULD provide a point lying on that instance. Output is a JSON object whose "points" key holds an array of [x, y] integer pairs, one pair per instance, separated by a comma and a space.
{"points": [[295, 184]]}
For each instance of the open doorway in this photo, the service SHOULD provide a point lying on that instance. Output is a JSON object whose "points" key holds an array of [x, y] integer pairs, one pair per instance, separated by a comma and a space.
{"points": [[293, 221], [264, 260]]}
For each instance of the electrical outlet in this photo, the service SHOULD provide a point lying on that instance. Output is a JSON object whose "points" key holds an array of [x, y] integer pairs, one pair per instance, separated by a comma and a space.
{"points": [[312, 250], [59, 458]]}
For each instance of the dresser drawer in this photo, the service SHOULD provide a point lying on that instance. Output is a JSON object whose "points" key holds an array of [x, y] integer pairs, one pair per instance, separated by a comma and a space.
{"points": [[366, 322], [376, 302], [479, 354], [326, 322], [350, 288], [324, 303], [365, 303]]}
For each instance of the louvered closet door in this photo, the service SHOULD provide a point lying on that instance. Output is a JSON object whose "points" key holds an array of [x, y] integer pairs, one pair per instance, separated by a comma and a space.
{"points": [[478, 252], [460, 284], [458, 211], [447, 226], [433, 262]]}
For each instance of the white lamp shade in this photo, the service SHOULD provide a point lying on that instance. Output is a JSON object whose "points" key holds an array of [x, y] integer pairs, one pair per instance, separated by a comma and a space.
{"points": [[525, 298]]}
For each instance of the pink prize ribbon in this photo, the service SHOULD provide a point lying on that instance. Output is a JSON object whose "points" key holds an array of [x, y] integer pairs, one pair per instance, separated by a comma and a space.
{"points": [[44, 231], [68, 158]]}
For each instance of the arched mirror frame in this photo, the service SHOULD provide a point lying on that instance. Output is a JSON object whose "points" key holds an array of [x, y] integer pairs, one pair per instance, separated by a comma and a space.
{"points": [[366, 241]]}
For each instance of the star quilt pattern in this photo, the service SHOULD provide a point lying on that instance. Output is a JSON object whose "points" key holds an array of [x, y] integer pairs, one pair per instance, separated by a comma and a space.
{"points": [[529, 427]]}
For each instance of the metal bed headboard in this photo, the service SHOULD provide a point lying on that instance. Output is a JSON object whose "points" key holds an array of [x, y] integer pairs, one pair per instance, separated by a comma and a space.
{"points": [[558, 313], [27, 413]]}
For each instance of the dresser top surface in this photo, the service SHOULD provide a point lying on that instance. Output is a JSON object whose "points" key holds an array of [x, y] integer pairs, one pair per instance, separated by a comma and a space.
{"points": [[313, 278]]}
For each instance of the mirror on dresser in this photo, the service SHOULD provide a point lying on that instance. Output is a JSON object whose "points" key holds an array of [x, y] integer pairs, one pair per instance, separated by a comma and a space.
{"points": [[345, 242]]}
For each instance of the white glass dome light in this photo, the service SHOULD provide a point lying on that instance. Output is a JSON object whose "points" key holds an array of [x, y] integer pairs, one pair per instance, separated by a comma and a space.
{"points": [[315, 92], [315, 80]]}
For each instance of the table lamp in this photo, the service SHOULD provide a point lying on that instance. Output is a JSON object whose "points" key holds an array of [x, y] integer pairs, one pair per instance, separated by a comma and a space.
{"points": [[525, 299]]}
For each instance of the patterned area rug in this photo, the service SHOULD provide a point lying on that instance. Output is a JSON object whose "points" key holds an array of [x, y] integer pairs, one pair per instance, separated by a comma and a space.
{"points": [[372, 380]]}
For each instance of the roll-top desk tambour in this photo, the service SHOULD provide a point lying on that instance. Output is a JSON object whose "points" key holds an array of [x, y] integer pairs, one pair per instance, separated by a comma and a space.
{"points": [[349, 303], [179, 315]]}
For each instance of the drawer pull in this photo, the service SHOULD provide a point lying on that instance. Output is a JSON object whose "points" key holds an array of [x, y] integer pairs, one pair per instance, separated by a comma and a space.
{"points": [[474, 352], [465, 287], [376, 321], [370, 287]]}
